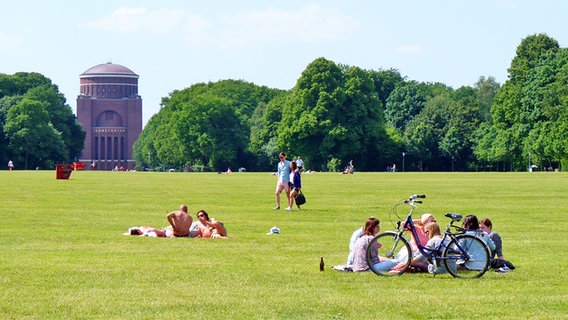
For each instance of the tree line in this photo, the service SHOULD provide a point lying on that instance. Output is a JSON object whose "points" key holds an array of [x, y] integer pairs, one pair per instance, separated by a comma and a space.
{"points": [[334, 114], [337, 113]]}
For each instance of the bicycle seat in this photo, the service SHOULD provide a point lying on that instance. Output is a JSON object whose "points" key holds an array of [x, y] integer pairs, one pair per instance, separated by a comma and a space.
{"points": [[454, 216]]}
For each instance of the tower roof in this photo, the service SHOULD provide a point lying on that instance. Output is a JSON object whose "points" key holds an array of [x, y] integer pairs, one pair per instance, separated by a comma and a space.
{"points": [[108, 69]]}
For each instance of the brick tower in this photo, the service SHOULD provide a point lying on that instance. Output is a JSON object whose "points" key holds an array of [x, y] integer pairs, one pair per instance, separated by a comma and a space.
{"points": [[110, 111]]}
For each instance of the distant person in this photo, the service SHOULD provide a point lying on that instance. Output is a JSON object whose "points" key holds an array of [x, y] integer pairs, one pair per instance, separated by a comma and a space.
{"points": [[229, 171], [296, 185], [180, 221], [349, 169], [10, 165], [209, 228], [283, 175], [300, 163]]}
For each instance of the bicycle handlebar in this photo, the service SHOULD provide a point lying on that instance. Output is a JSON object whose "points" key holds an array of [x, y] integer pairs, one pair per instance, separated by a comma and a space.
{"points": [[413, 199]]}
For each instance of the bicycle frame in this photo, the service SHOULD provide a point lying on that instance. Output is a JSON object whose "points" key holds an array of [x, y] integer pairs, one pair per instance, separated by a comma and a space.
{"points": [[433, 254]]}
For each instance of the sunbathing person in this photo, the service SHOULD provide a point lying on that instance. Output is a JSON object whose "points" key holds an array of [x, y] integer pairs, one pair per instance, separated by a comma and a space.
{"points": [[209, 228], [150, 232], [180, 221]]}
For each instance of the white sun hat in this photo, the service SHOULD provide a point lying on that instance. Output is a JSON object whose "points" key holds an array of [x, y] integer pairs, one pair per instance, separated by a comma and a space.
{"points": [[274, 230]]}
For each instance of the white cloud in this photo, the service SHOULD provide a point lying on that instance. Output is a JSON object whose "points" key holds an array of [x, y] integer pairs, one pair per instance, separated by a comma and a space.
{"points": [[8, 42], [139, 20], [311, 23]]}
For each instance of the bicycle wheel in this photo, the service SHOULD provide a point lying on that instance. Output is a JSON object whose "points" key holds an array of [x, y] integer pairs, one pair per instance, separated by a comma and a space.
{"points": [[389, 254], [466, 256]]}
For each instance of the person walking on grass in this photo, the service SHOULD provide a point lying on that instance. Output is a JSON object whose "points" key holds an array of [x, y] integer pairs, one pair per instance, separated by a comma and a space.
{"points": [[296, 185], [283, 175]]}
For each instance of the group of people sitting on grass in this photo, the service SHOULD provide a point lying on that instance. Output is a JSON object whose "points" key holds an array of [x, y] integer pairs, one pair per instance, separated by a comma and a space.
{"points": [[183, 226], [429, 235]]}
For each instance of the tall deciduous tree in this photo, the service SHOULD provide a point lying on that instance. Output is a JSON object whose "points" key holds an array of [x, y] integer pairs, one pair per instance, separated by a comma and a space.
{"points": [[34, 87], [335, 108], [32, 135], [513, 115]]}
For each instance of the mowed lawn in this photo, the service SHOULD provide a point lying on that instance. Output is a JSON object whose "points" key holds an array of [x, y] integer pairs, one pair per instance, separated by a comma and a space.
{"points": [[63, 255]]}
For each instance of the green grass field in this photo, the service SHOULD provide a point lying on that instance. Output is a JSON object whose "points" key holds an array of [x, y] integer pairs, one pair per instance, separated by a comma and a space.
{"points": [[63, 255]]}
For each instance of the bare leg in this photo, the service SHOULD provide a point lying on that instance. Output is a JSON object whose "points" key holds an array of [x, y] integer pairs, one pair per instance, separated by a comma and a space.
{"points": [[220, 228], [291, 198]]}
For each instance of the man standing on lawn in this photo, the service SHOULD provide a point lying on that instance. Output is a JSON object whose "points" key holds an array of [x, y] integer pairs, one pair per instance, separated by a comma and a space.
{"points": [[180, 221], [283, 179]]}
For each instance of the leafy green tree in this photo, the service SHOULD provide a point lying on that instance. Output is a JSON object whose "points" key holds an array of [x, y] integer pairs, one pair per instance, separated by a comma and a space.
{"points": [[425, 130], [264, 132], [385, 81], [529, 53], [33, 136], [486, 90], [403, 104], [307, 117], [144, 151], [544, 108], [5, 104], [483, 139], [205, 125], [515, 112], [36, 87], [21, 82], [61, 117], [335, 108]]}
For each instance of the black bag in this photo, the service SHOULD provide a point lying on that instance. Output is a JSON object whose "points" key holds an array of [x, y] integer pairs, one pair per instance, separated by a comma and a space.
{"points": [[300, 198], [498, 263]]}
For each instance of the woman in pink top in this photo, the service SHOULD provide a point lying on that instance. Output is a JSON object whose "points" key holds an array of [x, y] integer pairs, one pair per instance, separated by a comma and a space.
{"points": [[422, 238]]}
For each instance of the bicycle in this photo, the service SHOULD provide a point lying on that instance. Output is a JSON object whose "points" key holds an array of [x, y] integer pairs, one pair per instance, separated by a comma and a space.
{"points": [[460, 254]]}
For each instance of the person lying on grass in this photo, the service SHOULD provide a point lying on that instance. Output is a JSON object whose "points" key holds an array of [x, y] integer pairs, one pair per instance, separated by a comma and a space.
{"points": [[167, 232], [150, 232]]}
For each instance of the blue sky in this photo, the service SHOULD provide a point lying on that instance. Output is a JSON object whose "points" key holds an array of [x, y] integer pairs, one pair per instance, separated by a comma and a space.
{"points": [[175, 44]]}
